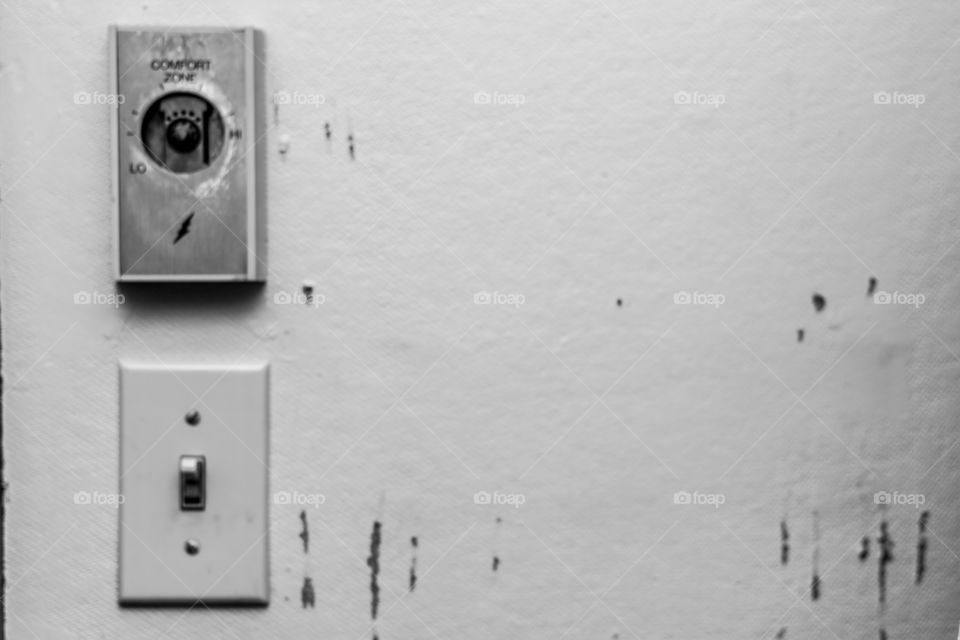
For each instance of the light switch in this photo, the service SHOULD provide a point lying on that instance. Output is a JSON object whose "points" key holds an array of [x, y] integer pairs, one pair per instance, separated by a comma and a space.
{"points": [[193, 476], [192, 484], [185, 129]]}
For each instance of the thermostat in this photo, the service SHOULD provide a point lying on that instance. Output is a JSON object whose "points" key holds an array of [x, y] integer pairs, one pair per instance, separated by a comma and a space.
{"points": [[185, 129]]}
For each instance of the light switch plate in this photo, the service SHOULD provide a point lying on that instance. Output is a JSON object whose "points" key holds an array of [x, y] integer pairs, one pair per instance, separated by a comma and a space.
{"points": [[221, 413], [185, 127]]}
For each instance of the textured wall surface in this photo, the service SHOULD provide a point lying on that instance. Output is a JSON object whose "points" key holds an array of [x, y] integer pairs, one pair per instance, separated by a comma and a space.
{"points": [[593, 189]]}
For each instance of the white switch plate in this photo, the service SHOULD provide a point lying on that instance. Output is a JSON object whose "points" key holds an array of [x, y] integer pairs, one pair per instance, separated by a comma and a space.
{"points": [[232, 565]]}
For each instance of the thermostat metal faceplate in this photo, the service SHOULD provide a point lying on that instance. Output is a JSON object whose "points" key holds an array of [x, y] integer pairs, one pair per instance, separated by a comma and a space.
{"points": [[185, 167]]}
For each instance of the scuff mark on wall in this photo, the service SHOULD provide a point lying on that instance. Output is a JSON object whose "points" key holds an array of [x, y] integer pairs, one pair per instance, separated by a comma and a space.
{"points": [[885, 542], [784, 543], [307, 596], [413, 563], [305, 533], [307, 288], [815, 582], [922, 546], [496, 536], [864, 549], [819, 302], [373, 561]]}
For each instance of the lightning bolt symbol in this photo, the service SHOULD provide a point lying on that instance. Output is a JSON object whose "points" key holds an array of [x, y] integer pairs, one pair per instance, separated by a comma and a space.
{"points": [[184, 228]]}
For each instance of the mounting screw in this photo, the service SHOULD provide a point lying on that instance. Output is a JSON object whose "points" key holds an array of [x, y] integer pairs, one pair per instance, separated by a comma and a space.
{"points": [[192, 547], [193, 418]]}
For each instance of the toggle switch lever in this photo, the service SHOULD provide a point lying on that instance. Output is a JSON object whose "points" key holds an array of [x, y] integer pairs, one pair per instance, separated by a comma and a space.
{"points": [[193, 483]]}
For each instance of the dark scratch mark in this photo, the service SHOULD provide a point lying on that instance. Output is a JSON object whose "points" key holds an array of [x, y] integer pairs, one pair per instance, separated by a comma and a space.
{"points": [[413, 564], [496, 556], [353, 155], [815, 583], [307, 596], [871, 286], [819, 302], [326, 131], [307, 290], [184, 228], [374, 563], [800, 335], [885, 543], [922, 546], [784, 543], [305, 534], [864, 549]]}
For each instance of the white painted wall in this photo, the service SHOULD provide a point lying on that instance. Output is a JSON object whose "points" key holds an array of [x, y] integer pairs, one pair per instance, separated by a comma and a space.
{"points": [[399, 398]]}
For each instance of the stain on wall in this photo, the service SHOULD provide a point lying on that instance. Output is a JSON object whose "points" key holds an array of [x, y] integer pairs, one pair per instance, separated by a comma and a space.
{"points": [[784, 543], [412, 581], [816, 583], [373, 562], [885, 557], [307, 595], [819, 302], [305, 531], [922, 546]]}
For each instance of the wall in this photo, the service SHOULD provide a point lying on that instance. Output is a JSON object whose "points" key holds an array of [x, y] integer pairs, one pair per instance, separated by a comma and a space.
{"points": [[597, 199]]}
